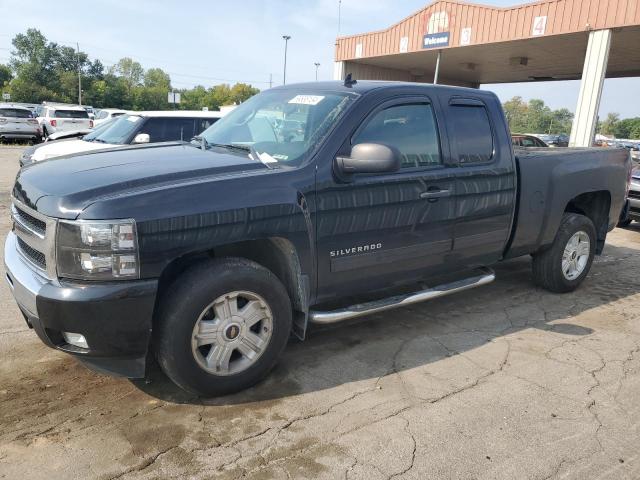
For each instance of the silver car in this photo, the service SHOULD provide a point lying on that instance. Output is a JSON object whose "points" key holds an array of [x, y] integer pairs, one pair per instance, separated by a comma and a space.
{"points": [[18, 123]]}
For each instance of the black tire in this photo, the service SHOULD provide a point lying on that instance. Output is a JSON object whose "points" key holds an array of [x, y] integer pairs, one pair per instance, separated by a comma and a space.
{"points": [[547, 265], [624, 223], [186, 299]]}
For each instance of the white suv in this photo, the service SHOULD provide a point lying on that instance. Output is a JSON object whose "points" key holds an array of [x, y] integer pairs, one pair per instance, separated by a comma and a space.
{"points": [[130, 129], [60, 117], [105, 114], [17, 123]]}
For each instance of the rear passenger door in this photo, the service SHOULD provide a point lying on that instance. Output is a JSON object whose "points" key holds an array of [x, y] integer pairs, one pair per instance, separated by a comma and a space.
{"points": [[379, 230], [486, 180]]}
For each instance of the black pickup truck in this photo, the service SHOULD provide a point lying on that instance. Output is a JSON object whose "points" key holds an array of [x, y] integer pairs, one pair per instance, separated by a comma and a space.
{"points": [[210, 254]]}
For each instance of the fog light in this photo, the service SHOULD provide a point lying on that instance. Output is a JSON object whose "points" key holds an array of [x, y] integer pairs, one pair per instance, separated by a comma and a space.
{"points": [[75, 339]]}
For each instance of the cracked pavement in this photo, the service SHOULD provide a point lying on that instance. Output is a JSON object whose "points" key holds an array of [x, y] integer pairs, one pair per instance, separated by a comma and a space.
{"points": [[504, 381]]}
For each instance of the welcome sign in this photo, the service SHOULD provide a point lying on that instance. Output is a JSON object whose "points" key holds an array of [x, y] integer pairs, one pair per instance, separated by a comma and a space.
{"points": [[435, 40]]}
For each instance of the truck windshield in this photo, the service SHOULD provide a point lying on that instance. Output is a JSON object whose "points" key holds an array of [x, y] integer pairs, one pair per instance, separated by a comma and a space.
{"points": [[279, 126], [119, 131]]}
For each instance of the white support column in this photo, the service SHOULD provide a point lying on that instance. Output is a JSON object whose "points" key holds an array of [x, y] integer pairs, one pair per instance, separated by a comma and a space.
{"points": [[338, 70], [593, 74]]}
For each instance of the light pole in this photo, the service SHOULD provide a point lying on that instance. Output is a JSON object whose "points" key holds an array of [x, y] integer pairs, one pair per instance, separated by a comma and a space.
{"points": [[286, 39], [317, 66]]}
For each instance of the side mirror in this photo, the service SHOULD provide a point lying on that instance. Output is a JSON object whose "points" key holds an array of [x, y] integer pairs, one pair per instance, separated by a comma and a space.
{"points": [[142, 138], [370, 158]]}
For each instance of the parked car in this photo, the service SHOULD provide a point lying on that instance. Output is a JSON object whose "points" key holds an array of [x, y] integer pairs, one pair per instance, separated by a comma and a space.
{"points": [[105, 114], [27, 154], [17, 123], [520, 140], [560, 140], [633, 209], [211, 253], [57, 117], [140, 127]]}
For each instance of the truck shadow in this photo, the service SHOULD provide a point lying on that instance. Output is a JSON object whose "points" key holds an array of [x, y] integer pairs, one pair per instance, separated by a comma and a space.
{"points": [[369, 348]]}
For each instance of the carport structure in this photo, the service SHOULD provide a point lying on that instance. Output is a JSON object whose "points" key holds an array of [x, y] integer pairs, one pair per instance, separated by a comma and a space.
{"points": [[464, 44]]}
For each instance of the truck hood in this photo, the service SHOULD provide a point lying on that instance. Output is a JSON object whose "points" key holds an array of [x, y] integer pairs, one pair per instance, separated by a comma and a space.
{"points": [[57, 149], [63, 187]]}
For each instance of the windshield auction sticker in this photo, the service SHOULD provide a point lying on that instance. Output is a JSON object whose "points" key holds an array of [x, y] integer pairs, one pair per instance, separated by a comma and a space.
{"points": [[307, 99]]}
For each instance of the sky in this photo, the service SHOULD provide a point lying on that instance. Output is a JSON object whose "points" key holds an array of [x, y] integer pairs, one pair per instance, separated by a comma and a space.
{"points": [[210, 42]]}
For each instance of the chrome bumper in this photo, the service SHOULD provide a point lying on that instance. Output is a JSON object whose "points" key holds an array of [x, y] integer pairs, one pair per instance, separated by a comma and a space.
{"points": [[24, 282]]}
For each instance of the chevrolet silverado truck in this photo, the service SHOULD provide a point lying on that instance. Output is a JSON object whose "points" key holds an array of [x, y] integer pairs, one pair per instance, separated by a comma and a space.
{"points": [[210, 254]]}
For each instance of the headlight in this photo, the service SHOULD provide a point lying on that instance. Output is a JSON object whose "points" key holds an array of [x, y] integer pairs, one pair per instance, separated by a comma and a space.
{"points": [[97, 250]]}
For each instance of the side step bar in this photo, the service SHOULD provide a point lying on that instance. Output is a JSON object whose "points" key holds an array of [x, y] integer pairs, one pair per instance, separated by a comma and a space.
{"points": [[486, 276]]}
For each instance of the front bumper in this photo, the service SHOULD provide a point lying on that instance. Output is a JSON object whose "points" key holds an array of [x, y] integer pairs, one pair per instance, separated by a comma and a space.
{"points": [[115, 318]]}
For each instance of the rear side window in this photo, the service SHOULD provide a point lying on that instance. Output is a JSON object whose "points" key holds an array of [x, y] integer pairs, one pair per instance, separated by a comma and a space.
{"points": [[169, 129], [15, 113], [70, 114], [472, 133], [411, 128]]}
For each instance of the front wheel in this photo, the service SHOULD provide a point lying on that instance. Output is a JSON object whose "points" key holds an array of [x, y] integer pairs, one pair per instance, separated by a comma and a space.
{"points": [[563, 267], [222, 326], [624, 223]]}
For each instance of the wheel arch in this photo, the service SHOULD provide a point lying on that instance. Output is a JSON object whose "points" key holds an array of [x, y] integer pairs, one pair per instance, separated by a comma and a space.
{"points": [[277, 254], [595, 206]]}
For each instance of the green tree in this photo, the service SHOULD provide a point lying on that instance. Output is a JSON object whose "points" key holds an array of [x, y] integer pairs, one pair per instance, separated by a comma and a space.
{"points": [[241, 92], [536, 117], [195, 98], [157, 78], [5, 75], [609, 124], [150, 98], [130, 71], [42, 70], [220, 95], [628, 128], [516, 112]]}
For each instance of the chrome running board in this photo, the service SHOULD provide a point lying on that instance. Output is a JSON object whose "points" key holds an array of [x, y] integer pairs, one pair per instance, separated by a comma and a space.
{"points": [[486, 276]]}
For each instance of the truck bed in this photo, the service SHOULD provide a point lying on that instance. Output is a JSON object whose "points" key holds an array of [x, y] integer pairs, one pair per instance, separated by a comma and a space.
{"points": [[554, 180]]}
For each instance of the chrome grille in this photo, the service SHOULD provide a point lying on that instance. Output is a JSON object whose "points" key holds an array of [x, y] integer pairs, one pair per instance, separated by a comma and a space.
{"points": [[36, 236], [30, 221], [32, 254], [634, 194]]}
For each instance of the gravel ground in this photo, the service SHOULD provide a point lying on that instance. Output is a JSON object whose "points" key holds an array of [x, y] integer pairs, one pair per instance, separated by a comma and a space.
{"points": [[505, 381]]}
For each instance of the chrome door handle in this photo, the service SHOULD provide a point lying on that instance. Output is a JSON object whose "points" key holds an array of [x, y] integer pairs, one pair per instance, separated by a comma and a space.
{"points": [[429, 194]]}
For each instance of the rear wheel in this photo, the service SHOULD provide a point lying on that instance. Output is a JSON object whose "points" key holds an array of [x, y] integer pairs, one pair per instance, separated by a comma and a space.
{"points": [[222, 326], [563, 267]]}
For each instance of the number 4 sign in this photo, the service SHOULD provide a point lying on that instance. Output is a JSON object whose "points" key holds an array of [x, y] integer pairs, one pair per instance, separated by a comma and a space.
{"points": [[539, 26]]}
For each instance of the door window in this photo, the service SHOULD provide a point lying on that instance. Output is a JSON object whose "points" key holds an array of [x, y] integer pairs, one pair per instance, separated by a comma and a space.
{"points": [[411, 128], [472, 134], [169, 129]]}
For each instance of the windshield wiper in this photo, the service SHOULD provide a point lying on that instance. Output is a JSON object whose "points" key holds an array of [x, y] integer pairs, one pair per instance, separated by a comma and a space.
{"points": [[99, 140], [250, 149]]}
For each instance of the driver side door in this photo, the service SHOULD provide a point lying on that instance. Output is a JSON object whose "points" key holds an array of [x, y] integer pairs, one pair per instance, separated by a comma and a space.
{"points": [[379, 230]]}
